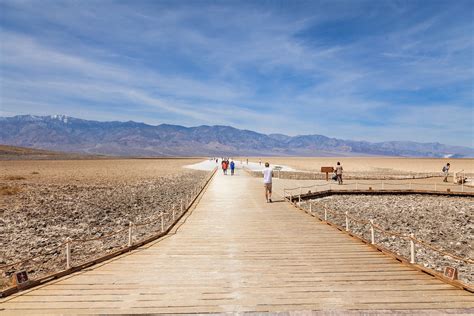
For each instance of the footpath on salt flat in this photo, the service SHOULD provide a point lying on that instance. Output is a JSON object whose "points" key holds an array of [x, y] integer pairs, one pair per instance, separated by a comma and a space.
{"points": [[233, 252]]}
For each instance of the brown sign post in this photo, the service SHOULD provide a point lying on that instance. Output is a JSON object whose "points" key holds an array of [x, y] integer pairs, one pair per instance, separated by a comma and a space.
{"points": [[327, 170], [451, 273], [20, 278]]}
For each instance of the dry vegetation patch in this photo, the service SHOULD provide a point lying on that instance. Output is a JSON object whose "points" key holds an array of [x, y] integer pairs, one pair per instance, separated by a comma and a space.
{"points": [[9, 190], [14, 178]]}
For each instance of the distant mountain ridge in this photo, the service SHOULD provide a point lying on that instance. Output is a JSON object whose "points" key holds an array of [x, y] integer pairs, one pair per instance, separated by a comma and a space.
{"points": [[64, 133]]}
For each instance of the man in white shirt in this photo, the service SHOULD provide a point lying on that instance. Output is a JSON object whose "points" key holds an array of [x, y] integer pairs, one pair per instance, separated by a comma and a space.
{"points": [[267, 182]]}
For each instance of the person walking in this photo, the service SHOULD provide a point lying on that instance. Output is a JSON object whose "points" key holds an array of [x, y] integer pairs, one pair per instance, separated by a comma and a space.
{"points": [[267, 182], [224, 166], [339, 173], [232, 167], [446, 171]]}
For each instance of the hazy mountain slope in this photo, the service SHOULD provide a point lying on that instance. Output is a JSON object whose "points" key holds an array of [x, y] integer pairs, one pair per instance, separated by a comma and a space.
{"points": [[137, 139]]}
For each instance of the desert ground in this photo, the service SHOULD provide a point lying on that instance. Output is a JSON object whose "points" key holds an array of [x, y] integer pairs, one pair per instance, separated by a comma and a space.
{"points": [[42, 202], [373, 164]]}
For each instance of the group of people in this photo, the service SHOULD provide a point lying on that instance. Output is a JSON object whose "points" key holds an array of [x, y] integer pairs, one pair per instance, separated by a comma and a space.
{"points": [[226, 164]]}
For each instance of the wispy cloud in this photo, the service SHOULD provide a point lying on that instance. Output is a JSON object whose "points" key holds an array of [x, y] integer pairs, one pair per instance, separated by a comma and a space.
{"points": [[365, 69]]}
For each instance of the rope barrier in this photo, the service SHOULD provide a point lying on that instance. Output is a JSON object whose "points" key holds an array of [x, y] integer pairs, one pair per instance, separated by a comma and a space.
{"points": [[200, 186], [31, 258], [148, 223], [99, 238], [307, 187], [400, 235], [421, 242]]}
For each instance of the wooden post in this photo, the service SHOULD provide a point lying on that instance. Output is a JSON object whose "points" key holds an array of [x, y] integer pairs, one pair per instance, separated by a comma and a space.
{"points": [[68, 253], [162, 223], [412, 248], [347, 222], [310, 207], [130, 233], [325, 215], [372, 232]]}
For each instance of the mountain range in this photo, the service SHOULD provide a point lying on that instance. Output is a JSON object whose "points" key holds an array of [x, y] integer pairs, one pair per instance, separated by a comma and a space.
{"points": [[63, 133]]}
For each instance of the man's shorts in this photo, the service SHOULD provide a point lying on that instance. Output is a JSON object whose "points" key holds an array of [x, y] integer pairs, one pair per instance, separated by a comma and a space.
{"points": [[268, 187]]}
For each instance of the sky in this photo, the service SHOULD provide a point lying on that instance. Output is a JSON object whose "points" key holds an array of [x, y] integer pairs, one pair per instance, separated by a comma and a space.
{"points": [[374, 70]]}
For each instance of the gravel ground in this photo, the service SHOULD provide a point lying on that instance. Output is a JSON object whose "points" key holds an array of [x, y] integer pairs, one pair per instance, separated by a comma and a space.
{"points": [[444, 222], [38, 218]]}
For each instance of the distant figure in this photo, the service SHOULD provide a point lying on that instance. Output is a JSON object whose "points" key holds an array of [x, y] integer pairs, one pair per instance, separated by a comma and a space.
{"points": [[260, 162], [224, 166], [217, 160], [232, 167], [247, 161], [445, 171], [267, 182], [339, 173]]}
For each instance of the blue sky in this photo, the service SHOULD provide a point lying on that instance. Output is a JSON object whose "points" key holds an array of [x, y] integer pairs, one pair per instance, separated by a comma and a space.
{"points": [[365, 70]]}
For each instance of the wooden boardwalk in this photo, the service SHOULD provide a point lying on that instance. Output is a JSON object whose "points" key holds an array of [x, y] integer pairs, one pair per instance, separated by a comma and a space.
{"points": [[235, 253]]}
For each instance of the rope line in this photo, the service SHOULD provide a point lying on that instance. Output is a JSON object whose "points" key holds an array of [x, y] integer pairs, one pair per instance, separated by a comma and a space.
{"points": [[401, 236], [31, 258], [98, 238], [200, 186]]}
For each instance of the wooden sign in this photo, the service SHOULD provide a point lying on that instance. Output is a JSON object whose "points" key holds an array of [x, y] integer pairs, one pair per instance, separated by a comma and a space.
{"points": [[20, 278], [327, 170], [451, 273]]}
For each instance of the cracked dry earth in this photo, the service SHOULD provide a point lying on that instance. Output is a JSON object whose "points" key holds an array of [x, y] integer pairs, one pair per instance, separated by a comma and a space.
{"points": [[47, 202], [445, 222]]}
